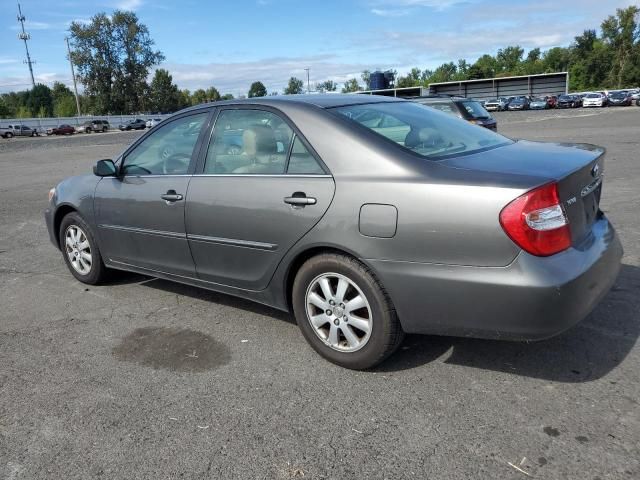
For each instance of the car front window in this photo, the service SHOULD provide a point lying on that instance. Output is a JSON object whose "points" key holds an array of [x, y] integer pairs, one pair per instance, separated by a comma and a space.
{"points": [[423, 131], [168, 150]]}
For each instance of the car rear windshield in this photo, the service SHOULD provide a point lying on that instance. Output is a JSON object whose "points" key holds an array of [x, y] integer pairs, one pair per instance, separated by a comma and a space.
{"points": [[475, 110], [422, 130]]}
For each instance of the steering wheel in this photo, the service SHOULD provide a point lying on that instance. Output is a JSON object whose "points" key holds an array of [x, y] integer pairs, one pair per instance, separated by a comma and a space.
{"points": [[173, 163]]}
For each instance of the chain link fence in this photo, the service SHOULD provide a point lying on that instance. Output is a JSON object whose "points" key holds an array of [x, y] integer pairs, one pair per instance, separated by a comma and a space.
{"points": [[44, 123]]}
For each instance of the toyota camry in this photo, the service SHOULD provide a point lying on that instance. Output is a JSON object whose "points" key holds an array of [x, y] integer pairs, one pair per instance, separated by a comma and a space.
{"points": [[366, 217]]}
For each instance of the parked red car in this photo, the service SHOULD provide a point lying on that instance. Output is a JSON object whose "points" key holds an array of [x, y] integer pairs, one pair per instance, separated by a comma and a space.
{"points": [[61, 130], [552, 101]]}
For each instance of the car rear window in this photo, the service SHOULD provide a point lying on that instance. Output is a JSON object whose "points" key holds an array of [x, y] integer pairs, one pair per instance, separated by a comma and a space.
{"points": [[421, 130], [475, 109]]}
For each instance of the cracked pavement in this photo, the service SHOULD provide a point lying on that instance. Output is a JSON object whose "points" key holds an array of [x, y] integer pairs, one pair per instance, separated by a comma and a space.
{"points": [[143, 378]]}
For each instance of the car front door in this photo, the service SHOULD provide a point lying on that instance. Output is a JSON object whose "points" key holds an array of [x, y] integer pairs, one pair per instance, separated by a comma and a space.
{"points": [[140, 213], [248, 205]]}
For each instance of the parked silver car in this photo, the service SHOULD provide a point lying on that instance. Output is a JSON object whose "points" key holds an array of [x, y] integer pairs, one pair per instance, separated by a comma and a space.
{"points": [[365, 216], [496, 104], [19, 130]]}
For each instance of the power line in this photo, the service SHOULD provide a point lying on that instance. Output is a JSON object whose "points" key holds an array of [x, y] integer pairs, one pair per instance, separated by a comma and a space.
{"points": [[25, 36]]}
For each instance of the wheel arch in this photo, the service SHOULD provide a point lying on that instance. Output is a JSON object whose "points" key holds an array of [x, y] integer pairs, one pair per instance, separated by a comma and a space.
{"points": [[61, 212], [301, 257]]}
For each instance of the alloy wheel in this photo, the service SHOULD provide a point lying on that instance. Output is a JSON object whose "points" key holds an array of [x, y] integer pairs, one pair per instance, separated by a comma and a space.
{"points": [[339, 312], [78, 249]]}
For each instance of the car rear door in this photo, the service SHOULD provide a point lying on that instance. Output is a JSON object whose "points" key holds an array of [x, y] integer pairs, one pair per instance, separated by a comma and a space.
{"points": [[140, 214], [247, 206]]}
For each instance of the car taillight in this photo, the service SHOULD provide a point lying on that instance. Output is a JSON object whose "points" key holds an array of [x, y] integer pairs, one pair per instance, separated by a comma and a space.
{"points": [[536, 221]]}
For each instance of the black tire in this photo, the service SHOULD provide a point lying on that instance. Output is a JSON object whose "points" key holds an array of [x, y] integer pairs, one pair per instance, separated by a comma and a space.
{"points": [[104, 129], [386, 332], [8, 135], [98, 273]]}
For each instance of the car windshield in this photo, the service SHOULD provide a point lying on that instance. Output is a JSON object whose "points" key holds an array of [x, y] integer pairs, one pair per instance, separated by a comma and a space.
{"points": [[565, 97], [593, 95], [618, 95], [492, 100], [539, 99], [424, 131], [475, 110]]}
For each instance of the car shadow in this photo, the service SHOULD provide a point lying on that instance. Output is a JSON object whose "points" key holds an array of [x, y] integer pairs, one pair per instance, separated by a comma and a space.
{"points": [[586, 352], [215, 297]]}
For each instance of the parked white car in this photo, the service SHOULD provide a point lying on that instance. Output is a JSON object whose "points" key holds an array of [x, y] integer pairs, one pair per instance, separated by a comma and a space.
{"points": [[152, 122], [594, 100]]}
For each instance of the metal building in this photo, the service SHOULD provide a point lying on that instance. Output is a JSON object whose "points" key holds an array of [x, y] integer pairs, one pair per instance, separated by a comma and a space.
{"points": [[485, 89]]}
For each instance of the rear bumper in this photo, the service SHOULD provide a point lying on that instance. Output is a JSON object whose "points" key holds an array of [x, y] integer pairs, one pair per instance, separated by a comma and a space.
{"points": [[531, 299]]}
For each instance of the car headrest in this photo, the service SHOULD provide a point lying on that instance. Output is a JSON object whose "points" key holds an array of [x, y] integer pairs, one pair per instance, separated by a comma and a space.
{"points": [[259, 139], [421, 136]]}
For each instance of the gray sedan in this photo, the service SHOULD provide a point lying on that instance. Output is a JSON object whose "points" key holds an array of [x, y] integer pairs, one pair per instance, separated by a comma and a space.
{"points": [[367, 217]]}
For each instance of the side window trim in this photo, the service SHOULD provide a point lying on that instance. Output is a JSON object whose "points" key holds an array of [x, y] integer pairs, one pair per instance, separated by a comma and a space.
{"points": [[196, 149], [199, 170]]}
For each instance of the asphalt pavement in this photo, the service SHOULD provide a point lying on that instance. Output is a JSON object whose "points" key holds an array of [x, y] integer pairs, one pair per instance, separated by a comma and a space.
{"points": [[145, 379]]}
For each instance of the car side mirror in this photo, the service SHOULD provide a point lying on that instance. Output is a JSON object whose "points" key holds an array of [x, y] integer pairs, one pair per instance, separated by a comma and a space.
{"points": [[105, 168]]}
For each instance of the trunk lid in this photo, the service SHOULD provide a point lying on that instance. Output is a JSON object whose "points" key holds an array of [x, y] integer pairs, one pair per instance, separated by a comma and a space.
{"points": [[577, 169]]}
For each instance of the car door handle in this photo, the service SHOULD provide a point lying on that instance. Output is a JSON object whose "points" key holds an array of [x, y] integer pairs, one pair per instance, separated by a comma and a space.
{"points": [[171, 196], [300, 200]]}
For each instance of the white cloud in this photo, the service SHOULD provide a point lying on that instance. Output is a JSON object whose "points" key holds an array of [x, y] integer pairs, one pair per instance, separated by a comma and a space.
{"points": [[236, 77], [29, 25], [384, 12], [128, 4]]}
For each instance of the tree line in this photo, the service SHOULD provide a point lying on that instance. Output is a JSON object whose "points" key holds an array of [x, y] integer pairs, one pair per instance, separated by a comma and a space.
{"points": [[114, 55]]}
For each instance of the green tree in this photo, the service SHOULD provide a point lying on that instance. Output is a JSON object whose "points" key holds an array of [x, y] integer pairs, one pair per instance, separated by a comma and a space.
{"points": [[40, 100], [257, 89], [327, 86], [164, 94], [185, 98], [113, 55], [65, 107], [213, 95], [485, 67], [556, 59], [365, 76], [351, 85], [621, 33], [444, 73], [294, 86], [227, 96], [508, 59], [198, 97], [23, 112], [64, 102], [412, 79]]}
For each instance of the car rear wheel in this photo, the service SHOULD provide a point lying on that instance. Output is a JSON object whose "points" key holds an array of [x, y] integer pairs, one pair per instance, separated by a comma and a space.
{"points": [[80, 250], [344, 312], [8, 135], [104, 129]]}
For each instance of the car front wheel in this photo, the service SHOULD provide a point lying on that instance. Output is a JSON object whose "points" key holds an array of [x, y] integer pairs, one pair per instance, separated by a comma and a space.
{"points": [[344, 312], [80, 250]]}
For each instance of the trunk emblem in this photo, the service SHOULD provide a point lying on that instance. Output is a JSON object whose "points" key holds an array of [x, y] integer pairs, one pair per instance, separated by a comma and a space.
{"points": [[591, 187], [595, 170]]}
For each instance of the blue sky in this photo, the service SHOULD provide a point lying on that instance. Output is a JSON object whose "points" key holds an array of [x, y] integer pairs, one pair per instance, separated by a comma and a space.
{"points": [[229, 44]]}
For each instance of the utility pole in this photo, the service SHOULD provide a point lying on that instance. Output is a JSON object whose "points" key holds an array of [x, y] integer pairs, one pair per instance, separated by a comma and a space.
{"points": [[25, 36], [73, 75], [308, 85]]}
